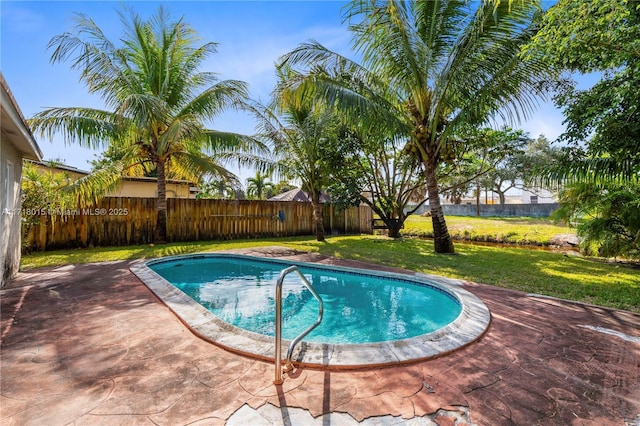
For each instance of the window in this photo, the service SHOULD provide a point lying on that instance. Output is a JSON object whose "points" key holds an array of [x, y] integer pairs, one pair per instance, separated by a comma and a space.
{"points": [[533, 199]]}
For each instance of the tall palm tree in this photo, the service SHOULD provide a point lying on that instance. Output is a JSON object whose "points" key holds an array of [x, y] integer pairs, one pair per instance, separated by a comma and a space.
{"points": [[429, 67], [157, 104]]}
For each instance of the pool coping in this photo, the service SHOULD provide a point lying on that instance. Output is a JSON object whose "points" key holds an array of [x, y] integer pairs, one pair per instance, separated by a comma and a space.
{"points": [[469, 326]]}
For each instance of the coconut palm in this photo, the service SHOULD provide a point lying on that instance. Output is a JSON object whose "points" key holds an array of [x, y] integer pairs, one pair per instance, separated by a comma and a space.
{"points": [[258, 186], [156, 104], [427, 68]]}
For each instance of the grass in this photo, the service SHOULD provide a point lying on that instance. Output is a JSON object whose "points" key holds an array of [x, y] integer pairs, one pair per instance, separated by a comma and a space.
{"points": [[532, 271], [516, 230], [150, 251]]}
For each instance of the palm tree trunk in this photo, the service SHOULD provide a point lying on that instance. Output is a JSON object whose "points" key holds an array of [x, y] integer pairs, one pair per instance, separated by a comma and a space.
{"points": [[161, 222], [318, 216], [441, 239]]}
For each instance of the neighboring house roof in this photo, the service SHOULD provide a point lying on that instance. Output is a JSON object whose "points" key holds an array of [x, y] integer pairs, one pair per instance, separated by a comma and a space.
{"points": [[59, 166], [298, 195], [14, 126]]}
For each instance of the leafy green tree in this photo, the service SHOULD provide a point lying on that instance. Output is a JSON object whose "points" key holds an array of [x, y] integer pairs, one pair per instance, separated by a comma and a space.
{"points": [[429, 67], [601, 162], [517, 163], [483, 158], [505, 175], [489, 159], [603, 122], [588, 36], [157, 104], [258, 186], [43, 193], [372, 169], [539, 154]]}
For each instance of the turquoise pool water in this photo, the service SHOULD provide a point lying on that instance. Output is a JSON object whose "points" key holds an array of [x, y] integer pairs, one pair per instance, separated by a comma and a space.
{"points": [[358, 307]]}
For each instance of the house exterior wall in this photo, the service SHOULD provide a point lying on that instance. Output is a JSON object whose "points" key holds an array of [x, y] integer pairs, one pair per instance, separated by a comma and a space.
{"points": [[519, 196], [488, 199], [129, 187], [10, 203], [16, 143], [540, 196], [143, 189]]}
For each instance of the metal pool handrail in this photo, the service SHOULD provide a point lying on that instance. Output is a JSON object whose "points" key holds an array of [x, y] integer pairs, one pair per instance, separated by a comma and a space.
{"points": [[278, 373]]}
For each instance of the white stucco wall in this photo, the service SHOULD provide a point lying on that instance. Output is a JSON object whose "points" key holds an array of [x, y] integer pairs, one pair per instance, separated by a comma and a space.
{"points": [[10, 200], [16, 144]]}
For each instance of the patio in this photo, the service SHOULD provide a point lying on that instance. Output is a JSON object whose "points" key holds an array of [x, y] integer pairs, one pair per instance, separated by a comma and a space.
{"points": [[90, 344]]}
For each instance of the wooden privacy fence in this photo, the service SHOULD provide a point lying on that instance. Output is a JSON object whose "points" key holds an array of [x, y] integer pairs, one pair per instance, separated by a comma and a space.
{"points": [[117, 221]]}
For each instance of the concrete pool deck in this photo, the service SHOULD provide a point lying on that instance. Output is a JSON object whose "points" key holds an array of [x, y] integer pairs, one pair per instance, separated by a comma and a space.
{"points": [[91, 344]]}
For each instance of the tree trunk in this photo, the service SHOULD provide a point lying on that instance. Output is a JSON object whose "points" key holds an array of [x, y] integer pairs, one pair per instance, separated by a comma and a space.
{"points": [[478, 199], [318, 217], [394, 229], [441, 239], [161, 223]]}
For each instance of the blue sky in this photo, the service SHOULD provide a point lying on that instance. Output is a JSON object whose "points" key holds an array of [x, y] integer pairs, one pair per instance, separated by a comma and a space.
{"points": [[251, 36]]}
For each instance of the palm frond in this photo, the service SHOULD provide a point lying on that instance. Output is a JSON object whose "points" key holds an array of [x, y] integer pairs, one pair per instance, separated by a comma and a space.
{"points": [[595, 171], [484, 74], [96, 185], [91, 128], [195, 166], [180, 134], [358, 94], [235, 148], [215, 99]]}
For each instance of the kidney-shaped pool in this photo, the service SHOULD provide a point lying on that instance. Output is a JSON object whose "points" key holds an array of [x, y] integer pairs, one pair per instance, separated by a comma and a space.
{"points": [[370, 318]]}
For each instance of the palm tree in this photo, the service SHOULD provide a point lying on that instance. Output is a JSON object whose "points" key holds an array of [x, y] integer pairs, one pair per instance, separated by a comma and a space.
{"points": [[218, 188], [298, 133], [429, 67], [157, 103], [258, 186]]}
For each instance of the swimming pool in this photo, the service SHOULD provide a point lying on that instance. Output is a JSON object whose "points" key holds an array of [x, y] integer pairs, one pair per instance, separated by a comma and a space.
{"points": [[371, 318], [358, 307]]}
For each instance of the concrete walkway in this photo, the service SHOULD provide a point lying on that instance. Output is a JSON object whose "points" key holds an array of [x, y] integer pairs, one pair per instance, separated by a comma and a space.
{"points": [[90, 344]]}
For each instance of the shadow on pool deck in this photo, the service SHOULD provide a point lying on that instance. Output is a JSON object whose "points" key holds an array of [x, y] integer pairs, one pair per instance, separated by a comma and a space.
{"points": [[90, 344]]}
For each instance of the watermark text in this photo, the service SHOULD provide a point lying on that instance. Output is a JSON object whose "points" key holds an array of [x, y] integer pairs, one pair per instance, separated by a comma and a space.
{"points": [[74, 212]]}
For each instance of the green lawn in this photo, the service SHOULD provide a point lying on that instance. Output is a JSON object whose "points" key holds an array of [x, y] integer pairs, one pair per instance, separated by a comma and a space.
{"points": [[533, 271], [516, 230]]}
